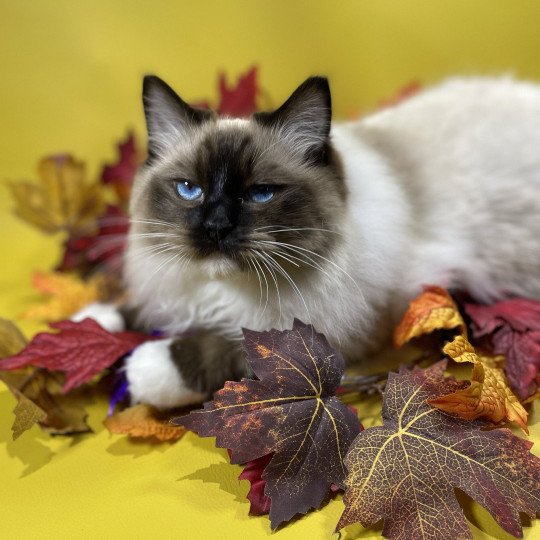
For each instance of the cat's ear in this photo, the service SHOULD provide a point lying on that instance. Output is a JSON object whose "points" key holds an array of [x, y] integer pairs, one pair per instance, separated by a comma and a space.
{"points": [[168, 117], [304, 119]]}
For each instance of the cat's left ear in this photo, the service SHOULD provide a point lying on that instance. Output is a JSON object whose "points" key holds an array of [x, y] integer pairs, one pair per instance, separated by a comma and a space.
{"points": [[304, 119]]}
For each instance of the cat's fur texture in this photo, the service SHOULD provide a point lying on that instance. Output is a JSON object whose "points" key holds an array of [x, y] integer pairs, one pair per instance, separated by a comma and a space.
{"points": [[441, 189]]}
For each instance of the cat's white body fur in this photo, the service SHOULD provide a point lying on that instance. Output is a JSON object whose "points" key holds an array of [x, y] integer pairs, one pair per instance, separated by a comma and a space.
{"points": [[443, 189]]}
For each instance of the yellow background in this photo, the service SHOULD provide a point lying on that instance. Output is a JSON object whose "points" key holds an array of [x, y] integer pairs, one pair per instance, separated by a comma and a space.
{"points": [[71, 77]]}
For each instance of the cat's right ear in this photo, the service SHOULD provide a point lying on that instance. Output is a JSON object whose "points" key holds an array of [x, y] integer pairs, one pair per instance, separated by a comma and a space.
{"points": [[168, 117]]}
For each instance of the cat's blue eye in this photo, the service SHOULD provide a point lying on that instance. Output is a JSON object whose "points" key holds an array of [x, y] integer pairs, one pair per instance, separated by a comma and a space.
{"points": [[261, 194], [188, 190]]}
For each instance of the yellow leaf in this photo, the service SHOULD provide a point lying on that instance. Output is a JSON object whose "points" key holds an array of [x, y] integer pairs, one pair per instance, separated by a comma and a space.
{"points": [[144, 421], [68, 294], [62, 200], [11, 339], [27, 413], [433, 310], [488, 395]]}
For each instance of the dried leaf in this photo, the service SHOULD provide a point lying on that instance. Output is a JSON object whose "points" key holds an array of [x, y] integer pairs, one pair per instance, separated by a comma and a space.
{"points": [[405, 471], [512, 328], [11, 339], [432, 310], [81, 349], [64, 414], [27, 413], [62, 200], [121, 174], [487, 396], [291, 411], [144, 421], [239, 100], [68, 294]]}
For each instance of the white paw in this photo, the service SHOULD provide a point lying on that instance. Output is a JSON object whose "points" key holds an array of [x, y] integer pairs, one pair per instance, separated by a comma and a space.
{"points": [[106, 315], [154, 379]]}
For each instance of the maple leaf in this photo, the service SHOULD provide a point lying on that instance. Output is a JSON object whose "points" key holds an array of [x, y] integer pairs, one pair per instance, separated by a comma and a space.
{"points": [[63, 413], [512, 328], [145, 422], [62, 200], [405, 471], [11, 339], [488, 394], [259, 503], [290, 410], [238, 100], [27, 413], [81, 349], [121, 174], [68, 294], [432, 310], [105, 248]]}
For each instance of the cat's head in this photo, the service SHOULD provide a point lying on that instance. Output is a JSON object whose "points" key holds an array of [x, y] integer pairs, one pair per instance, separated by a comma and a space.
{"points": [[238, 195]]}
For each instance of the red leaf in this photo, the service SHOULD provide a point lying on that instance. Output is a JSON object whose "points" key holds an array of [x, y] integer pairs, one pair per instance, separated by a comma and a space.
{"points": [[260, 503], [513, 329], [123, 171], [239, 100], [107, 246], [81, 349]]}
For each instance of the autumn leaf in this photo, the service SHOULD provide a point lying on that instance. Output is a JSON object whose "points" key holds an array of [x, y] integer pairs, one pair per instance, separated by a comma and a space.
{"points": [[102, 250], [259, 503], [512, 328], [488, 394], [120, 175], [81, 349], [64, 413], [67, 295], [145, 422], [11, 339], [27, 413], [239, 100], [405, 471], [290, 410], [432, 310], [62, 200]]}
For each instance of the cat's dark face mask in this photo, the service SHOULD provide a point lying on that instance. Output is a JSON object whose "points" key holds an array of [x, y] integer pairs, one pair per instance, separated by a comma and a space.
{"points": [[261, 195]]}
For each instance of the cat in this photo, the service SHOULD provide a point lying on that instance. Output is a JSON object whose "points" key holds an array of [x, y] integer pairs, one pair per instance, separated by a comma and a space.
{"points": [[253, 222]]}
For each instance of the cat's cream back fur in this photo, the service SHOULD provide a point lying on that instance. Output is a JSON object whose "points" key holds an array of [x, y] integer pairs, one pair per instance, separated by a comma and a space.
{"points": [[442, 189]]}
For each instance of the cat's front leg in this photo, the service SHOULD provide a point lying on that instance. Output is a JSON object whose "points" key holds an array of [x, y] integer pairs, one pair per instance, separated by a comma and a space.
{"points": [[182, 371]]}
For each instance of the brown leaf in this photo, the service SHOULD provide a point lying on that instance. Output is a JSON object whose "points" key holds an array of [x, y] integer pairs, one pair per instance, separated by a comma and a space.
{"points": [[27, 413], [65, 413], [432, 310], [488, 394], [144, 421], [62, 200], [405, 471], [290, 410], [11, 339]]}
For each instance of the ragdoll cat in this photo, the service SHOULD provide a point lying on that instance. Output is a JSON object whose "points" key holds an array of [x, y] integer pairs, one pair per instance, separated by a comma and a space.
{"points": [[252, 222]]}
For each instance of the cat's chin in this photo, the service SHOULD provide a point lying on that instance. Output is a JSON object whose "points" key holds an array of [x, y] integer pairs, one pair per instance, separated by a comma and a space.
{"points": [[219, 266]]}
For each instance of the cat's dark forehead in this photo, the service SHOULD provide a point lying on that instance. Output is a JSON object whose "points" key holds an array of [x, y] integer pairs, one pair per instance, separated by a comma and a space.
{"points": [[224, 155]]}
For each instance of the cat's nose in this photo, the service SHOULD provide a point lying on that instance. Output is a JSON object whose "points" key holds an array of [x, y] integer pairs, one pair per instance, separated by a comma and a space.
{"points": [[218, 224]]}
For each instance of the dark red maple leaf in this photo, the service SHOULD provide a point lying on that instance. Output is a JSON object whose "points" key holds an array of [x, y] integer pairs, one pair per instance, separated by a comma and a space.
{"points": [[106, 247], [289, 410], [511, 328], [406, 470], [81, 350], [238, 100], [253, 470], [120, 175]]}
